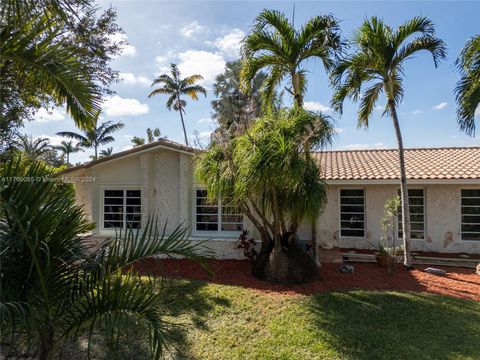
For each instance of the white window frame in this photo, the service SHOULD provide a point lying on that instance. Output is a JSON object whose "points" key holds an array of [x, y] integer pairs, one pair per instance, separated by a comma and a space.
{"points": [[424, 213], [364, 213], [212, 233], [102, 206], [461, 215]]}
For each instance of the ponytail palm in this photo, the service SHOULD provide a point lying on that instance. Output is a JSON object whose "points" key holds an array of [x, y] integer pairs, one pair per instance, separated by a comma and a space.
{"points": [[267, 172], [276, 46], [176, 87], [375, 68], [467, 91], [53, 291]]}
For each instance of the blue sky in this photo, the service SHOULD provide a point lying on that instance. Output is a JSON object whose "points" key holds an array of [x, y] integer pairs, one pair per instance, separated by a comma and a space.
{"points": [[200, 36]]}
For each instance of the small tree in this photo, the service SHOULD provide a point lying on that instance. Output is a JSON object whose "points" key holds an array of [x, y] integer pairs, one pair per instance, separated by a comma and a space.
{"points": [[268, 174]]}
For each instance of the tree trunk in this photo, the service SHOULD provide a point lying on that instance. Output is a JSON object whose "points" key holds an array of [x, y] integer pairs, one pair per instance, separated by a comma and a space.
{"points": [[288, 263], [68, 158], [403, 187], [314, 241], [96, 151], [180, 110], [47, 336]]}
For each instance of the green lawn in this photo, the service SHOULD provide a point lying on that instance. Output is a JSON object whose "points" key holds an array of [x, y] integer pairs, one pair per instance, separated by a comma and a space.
{"points": [[226, 322]]}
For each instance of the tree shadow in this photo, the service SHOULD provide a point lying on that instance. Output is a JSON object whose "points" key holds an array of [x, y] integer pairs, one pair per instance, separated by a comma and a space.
{"points": [[391, 325], [186, 304]]}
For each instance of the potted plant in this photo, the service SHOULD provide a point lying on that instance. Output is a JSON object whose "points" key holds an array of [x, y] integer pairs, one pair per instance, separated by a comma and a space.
{"points": [[387, 256]]}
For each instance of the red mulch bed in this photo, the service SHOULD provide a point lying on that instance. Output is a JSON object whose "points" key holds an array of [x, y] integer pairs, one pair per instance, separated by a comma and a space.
{"points": [[458, 282]]}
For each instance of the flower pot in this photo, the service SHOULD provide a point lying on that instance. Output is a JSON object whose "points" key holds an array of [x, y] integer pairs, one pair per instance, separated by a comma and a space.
{"points": [[384, 260]]}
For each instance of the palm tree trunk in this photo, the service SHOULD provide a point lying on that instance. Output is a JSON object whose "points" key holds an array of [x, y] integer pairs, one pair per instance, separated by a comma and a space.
{"points": [[68, 157], [180, 110], [183, 125], [403, 187], [96, 151]]}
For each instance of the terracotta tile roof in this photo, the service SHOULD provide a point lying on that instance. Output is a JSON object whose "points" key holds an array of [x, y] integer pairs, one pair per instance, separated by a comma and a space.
{"points": [[422, 164]]}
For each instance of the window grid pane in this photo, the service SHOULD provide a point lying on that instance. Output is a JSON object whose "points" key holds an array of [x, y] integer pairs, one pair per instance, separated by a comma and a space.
{"points": [[218, 216], [470, 214], [122, 209], [352, 213]]}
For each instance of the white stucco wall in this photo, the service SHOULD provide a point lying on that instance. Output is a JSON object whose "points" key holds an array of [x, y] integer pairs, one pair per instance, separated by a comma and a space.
{"points": [[442, 216], [165, 178]]}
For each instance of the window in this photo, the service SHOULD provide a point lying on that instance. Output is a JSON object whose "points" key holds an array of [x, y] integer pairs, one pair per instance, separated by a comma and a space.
{"points": [[216, 217], [352, 213], [122, 209], [471, 215], [416, 201]]}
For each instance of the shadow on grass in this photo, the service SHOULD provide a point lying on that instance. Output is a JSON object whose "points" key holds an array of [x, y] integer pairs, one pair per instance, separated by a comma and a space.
{"points": [[386, 325], [183, 299]]}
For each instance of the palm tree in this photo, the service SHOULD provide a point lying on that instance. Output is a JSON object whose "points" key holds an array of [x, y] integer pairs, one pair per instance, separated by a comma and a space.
{"points": [[33, 149], [175, 86], [107, 152], [99, 135], [33, 53], [275, 45], [467, 91], [52, 290], [67, 148], [377, 63]]}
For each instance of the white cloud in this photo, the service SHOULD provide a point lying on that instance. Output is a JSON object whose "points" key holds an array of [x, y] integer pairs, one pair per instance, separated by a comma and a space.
{"points": [[380, 108], [132, 79], [315, 106], [205, 63], [126, 147], [192, 29], [477, 112], [338, 130], [229, 44], [440, 106], [44, 116], [126, 49], [417, 111], [128, 136], [54, 139], [116, 106], [205, 121]]}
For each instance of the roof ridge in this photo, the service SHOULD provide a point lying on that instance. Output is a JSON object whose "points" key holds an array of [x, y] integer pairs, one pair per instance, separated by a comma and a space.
{"points": [[395, 149]]}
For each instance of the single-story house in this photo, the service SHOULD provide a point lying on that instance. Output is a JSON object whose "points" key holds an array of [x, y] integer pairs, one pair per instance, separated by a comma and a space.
{"points": [[444, 186]]}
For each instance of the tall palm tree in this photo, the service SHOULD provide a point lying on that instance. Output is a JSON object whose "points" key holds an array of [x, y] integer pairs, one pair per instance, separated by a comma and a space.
{"points": [[467, 91], [275, 45], [67, 148], [33, 149], [176, 87], [99, 135], [379, 53]]}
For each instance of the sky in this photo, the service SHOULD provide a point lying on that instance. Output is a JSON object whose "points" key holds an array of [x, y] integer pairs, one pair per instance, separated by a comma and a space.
{"points": [[201, 36]]}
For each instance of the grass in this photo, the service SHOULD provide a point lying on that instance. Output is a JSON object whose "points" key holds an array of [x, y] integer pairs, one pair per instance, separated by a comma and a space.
{"points": [[227, 322]]}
